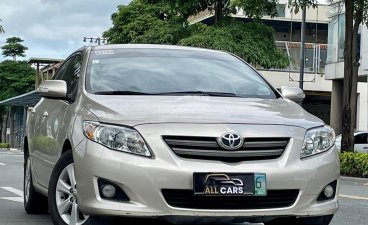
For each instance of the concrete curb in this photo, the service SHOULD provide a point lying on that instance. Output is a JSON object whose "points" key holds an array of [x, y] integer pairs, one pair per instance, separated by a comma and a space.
{"points": [[13, 150], [354, 179]]}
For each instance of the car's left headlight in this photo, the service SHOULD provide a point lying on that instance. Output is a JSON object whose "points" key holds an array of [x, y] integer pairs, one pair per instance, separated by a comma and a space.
{"points": [[116, 137], [317, 140]]}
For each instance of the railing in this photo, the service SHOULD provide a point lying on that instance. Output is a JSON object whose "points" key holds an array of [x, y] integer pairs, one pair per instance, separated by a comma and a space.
{"points": [[315, 56]]}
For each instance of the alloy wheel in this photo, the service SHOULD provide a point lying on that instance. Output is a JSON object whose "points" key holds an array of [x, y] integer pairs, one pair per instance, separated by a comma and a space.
{"points": [[27, 179], [66, 198]]}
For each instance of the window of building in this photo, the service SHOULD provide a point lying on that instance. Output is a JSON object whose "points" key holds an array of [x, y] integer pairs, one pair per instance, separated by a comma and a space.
{"points": [[341, 41], [281, 10], [333, 34]]}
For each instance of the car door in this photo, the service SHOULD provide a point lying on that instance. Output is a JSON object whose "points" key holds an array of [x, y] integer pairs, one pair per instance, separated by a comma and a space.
{"points": [[361, 142], [38, 142], [51, 122]]}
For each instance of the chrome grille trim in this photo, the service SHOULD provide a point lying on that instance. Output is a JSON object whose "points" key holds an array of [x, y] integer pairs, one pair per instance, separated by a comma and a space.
{"points": [[207, 148]]}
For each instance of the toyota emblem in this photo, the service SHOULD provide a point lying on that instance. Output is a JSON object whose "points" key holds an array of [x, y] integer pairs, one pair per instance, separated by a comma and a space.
{"points": [[230, 141]]}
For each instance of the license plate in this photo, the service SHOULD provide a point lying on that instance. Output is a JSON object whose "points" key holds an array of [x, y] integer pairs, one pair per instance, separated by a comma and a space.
{"points": [[229, 184]]}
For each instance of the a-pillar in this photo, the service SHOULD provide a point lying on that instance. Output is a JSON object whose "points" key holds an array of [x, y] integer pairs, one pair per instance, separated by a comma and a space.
{"points": [[336, 105]]}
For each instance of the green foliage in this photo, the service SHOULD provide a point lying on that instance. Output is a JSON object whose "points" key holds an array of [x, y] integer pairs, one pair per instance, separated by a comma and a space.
{"points": [[297, 5], [253, 42], [185, 8], [4, 145], [354, 164], [14, 48], [257, 8], [15, 78], [140, 22], [252, 8]]}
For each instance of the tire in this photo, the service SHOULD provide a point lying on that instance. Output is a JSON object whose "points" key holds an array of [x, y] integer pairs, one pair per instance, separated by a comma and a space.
{"points": [[34, 202], [319, 220], [63, 196]]}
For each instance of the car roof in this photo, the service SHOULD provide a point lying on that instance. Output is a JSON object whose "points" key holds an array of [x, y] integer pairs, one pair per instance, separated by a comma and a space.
{"points": [[152, 46]]}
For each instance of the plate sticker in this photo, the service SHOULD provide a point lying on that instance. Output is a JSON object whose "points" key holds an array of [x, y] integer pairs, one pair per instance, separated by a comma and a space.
{"points": [[260, 187]]}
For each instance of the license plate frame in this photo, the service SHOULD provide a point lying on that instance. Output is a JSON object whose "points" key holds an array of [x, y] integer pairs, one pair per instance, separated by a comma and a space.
{"points": [[229, 184]]}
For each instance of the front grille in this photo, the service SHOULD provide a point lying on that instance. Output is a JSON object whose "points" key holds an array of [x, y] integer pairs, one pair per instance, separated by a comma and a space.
{"points": [[187, 199], [208, 148]]}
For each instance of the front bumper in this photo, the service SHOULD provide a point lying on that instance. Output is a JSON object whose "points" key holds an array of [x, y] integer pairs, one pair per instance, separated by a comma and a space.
{"points": [[142, 179]]}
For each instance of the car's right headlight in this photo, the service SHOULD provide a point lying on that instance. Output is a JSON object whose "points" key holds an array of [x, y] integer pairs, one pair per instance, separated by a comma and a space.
{"points": [[317, 140], [118, 138]]}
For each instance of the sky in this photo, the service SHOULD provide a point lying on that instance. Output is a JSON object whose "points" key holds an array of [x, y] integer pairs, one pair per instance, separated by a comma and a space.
{"points": [[55, 28]]}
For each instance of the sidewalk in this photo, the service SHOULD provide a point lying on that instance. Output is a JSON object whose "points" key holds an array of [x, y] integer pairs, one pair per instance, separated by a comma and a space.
{"points": [[11, 150]]}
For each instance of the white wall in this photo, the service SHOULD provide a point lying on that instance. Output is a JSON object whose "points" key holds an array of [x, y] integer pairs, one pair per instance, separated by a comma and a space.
{"points": [[364, 50], [278, 79]]}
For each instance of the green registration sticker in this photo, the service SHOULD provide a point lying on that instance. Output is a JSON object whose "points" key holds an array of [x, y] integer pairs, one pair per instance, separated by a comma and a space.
{"points": [[260, 187]]}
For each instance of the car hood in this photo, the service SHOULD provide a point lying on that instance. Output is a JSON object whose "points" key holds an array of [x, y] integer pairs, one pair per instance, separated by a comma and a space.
{"points": [[136, 110]]}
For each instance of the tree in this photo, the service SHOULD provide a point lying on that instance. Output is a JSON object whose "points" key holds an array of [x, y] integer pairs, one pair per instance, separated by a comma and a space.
{"points": [[356, 14], [16, 78], [141, 22], [222, 8], [14, 48], [253, 42], [1, 28]]}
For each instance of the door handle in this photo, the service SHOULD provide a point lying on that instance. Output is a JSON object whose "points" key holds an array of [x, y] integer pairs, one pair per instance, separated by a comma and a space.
{"points": [[365, 148], [45, 114]]}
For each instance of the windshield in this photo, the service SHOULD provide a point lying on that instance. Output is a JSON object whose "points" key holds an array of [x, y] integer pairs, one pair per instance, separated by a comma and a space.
{"points": [[173, 72]]}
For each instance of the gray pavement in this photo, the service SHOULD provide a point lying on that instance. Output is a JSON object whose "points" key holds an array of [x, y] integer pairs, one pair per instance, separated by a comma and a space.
{"points": [[353, 197]]}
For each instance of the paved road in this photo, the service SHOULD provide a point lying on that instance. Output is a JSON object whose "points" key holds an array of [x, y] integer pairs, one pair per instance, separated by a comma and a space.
{"points": [[353, 201]]}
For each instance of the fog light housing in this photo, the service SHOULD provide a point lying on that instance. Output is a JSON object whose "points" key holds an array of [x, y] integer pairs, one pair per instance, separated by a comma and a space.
{"points": [[111, 191], [108, 191], [328, 192]]}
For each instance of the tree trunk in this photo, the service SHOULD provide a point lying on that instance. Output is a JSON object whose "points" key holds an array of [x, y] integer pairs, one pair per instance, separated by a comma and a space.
{"points": [[218, 11], [347, 140]]}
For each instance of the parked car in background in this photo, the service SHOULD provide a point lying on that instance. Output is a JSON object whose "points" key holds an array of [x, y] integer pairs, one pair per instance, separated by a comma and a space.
{"points": [[179, 134], [360, 140]]}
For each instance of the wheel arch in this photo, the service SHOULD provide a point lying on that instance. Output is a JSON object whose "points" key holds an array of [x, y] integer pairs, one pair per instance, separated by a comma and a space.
{"points": [[66, 146], [25, 148]]}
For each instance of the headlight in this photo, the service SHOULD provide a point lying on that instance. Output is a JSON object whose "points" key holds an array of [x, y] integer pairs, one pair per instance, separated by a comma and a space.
{"points": [[115, 137], [317, 140]]}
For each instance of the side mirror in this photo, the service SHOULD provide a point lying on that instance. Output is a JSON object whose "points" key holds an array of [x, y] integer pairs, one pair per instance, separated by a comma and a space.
{"points": [[54, 89], [293, 93]]}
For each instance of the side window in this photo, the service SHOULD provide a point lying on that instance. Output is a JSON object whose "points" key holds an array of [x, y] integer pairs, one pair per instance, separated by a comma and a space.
{"points": [[71, 75], [60, 72], [361, 139]]}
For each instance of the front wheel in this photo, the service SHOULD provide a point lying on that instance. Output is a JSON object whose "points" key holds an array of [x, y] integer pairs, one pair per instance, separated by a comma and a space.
{"points": [[318, 220], [63, 200]]}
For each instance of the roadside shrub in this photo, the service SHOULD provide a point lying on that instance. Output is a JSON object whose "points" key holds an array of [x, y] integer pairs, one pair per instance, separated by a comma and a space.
{"points": [[4, 145], [354, 164]]}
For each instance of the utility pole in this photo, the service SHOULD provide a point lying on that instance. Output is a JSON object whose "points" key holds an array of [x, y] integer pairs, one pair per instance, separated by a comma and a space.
{"points": [[302, 48], [97, 40]]}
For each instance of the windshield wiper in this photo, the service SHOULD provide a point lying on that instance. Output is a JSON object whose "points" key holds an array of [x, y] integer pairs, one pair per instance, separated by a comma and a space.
{"points": [[201, 93], [121, 93]]}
